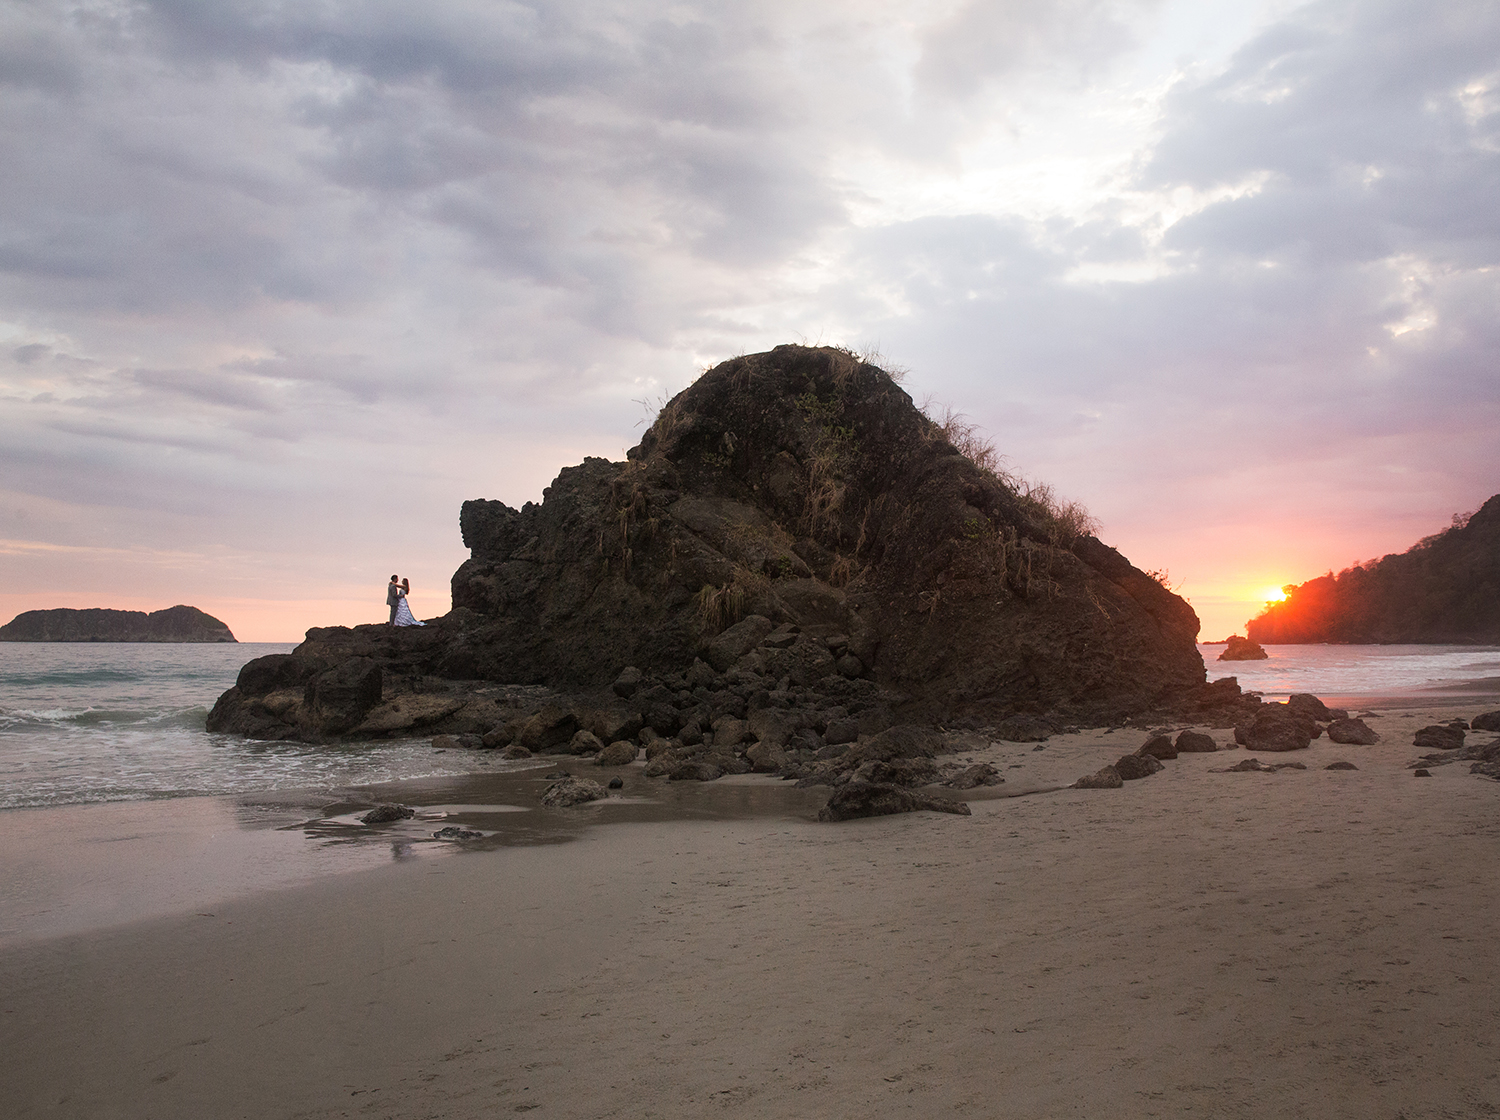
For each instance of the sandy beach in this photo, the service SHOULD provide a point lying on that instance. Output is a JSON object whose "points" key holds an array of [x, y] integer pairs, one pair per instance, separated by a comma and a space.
{"points": [[1200, 943]]}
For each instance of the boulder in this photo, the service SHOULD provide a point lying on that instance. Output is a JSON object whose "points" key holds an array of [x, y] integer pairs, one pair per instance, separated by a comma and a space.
{"points": [[905, 740], [384, 814], [569, 791], [1106, 777], [1195, 742], [849, 666], [627, 682], [454, 832], [844, 730], [611, 723], [515, 751], [766, 758], [457, 742], [1158, 746], [908, 772], [738, 640], [1490, 721], [1242, 649], [621, 752], [803, 663], [1352, 731], [1276, 729], [979, 774], [1439, 737], [584, 742], [1309, 706], [1024, 729], [869, 799], [730, 732], [773, 725], [1341, 765], [1134, 766], [547, 729], [695, 770], [497, 737]]}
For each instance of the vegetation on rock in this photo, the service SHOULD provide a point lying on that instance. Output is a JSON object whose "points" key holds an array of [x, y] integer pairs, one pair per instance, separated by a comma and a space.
{"points": [[1445, 588]]}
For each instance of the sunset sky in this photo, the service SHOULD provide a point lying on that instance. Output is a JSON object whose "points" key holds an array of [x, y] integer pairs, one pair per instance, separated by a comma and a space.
{"points": [[282, 284]]}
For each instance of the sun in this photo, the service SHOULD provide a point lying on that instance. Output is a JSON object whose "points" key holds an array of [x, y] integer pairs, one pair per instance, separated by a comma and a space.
{"points": [[1274, 595]]}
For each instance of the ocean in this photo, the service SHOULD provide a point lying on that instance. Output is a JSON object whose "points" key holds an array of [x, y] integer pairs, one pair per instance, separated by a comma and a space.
{"points": [[117, 806], [84, 723], [97, 722]]}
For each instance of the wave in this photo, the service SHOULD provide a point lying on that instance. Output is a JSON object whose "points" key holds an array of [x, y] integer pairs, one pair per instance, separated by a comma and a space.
{"points": [[22, 719]]}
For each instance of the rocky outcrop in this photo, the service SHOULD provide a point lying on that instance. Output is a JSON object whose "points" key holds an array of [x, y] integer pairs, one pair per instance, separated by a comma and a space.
{"points": [[174, 624], [1237, 648], [1445, 588], [793, 562]]}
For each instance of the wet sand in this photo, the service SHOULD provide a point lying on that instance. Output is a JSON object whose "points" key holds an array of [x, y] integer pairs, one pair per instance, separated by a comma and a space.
{"points": [[1306, 943]]}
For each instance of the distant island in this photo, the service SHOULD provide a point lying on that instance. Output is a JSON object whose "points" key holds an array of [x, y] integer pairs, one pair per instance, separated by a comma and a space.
{"points": [[1444, 588], [175, 624]]}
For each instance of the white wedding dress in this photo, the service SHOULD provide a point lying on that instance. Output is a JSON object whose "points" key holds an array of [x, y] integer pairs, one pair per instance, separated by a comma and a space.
{"points": [[403, 613]]}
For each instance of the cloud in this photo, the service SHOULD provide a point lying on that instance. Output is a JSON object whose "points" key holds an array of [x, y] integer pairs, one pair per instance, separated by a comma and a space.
{"points": [[260, 254]]}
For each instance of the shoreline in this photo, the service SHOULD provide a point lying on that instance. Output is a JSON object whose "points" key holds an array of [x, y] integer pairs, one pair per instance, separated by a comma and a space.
{"points": [[1304, 943], [83, 868]]}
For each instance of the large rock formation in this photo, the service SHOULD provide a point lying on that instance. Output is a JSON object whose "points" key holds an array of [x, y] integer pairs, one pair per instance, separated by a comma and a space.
{"points": [[1444, 588], [175, 624], [790, 525]]}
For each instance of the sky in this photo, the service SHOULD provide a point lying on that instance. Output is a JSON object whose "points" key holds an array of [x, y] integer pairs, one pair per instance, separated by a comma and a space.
{"points": [[283, 284]]}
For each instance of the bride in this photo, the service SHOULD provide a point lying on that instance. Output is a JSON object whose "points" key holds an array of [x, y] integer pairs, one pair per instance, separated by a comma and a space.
{"points": [[403, 611]]}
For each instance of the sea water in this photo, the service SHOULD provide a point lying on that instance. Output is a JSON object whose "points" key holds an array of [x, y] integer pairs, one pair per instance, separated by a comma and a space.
{"points": [[1350, 671], [84, 722], [99, 722]]}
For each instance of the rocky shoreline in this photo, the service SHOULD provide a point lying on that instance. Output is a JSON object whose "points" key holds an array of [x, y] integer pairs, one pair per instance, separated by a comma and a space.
{"points": [[796, 572]]}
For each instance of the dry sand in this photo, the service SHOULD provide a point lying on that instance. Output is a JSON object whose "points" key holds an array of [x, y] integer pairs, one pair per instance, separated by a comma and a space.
{"points": [[1301, 944]]}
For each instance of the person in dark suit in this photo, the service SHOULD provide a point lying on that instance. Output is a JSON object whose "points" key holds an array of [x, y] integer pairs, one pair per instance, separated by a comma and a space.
{"points": [[393, 597]]}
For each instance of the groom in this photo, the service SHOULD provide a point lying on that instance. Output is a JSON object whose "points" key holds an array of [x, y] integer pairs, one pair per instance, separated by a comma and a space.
{"points": [[392, 597]]}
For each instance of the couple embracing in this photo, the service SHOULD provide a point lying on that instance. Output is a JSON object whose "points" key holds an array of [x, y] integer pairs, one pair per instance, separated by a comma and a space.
{"points": [[395, 598]]}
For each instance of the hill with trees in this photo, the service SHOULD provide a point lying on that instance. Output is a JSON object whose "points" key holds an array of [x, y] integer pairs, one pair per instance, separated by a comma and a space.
{"points": [[1444, 588]]}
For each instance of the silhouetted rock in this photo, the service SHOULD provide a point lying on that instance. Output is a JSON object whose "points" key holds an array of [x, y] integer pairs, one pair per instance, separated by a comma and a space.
{"points": [[867, 799], [792, 534], [1242, 649], [64, 624], [1275, 728]]}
